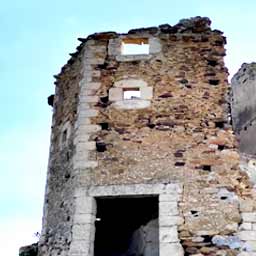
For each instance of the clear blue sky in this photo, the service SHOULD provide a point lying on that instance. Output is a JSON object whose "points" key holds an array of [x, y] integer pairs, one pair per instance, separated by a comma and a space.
{"points": [[36, 38]]}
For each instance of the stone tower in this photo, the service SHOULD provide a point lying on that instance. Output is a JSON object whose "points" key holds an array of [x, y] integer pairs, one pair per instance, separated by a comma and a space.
{"points": [[143, 159]]}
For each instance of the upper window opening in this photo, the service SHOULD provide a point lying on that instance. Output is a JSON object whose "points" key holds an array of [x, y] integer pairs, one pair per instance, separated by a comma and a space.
{"points": [[131, 93], [135, 46]]}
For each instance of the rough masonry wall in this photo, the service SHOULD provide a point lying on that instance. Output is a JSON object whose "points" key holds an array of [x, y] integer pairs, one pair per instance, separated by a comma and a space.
{"points": [[183, 136], [178, 132], [59, 204]]}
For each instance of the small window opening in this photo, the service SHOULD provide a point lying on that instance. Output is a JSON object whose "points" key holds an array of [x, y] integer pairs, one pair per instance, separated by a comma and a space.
{"points": [[131, 93], [135, 46], [127, 226]]}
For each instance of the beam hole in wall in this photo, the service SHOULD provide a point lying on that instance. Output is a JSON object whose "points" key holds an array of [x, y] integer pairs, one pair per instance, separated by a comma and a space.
{"points": [[214, 82], [131, 93], [220, 124], [207, 168], [101, 146], [127, 226], [104, 126], [64, 136], [135, 46]]}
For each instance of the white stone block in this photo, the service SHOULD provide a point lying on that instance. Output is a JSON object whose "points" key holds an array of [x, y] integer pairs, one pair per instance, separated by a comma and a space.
{"points": [[80, 157], [84, 218], [130, 83], [126, 58], [85, 146], [115, 94], [82, 138], [247, 254], [169, 197], [89, 99], [131, 104], [168, 208], [90, 128], [85, 205], [171, 249], [83, 231], [84, 164], [80, 192], [168, 234], [146, 93], [246, 226], [251, 245], [89, 92], [82, 121], [83, 105], [247, 235], [167, 221], [173, 188], [93, 85], [154, 45], [79, 247], [87, 112], [249, 217]]}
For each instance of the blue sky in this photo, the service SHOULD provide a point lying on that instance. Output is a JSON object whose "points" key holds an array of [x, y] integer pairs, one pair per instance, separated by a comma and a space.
{"points": [[36, 38]]}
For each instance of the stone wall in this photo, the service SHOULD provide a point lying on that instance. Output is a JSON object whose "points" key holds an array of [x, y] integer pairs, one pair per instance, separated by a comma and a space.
{"points": [[244, 107], [177, 132]]}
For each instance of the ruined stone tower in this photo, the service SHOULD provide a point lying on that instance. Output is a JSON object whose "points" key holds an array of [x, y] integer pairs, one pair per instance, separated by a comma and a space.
{"points": [[143, 158]]}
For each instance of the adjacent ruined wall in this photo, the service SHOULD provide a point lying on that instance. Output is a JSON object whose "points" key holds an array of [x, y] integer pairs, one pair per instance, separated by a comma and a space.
{"points": [[244, 107], [177, 133]]}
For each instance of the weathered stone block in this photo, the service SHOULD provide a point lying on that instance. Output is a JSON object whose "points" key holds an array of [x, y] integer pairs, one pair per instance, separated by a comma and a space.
{"points": [[146, 93], [249, 216], [84, 219], [85, 205], [89, 99], [86, 113], [246, 226], [167, 221], [247, 235], [85, 146], [85, 164], [83, 231], [171, 249], [168, 208], [154, 45], [116, 94], [90, 128], [168, 234]]}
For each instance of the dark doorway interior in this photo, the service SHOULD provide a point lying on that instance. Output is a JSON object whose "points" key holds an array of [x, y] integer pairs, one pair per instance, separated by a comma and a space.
{"points": [[127, 226]]}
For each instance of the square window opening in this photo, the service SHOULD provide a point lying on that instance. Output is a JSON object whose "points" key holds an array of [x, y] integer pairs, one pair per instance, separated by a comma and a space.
{"points": [[135, 46], [127, 226], [131, 93]]}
